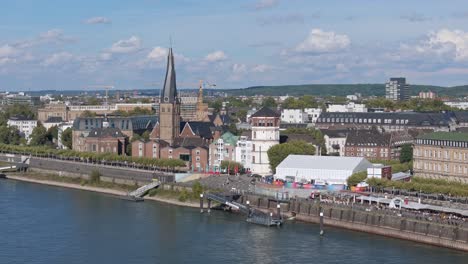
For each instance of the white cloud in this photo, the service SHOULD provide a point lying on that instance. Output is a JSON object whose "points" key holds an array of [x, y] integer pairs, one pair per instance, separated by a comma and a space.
{"points": [[126, 45], [445, 39], [216, 56], [157, 54], [58, 59], [239, 68], [7, 51], [320, 41], [97, 20], [261, 68], [265, 4]]}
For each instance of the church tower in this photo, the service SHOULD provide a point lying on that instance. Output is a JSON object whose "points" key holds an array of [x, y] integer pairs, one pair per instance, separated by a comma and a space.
{"points": [[169, 106]]}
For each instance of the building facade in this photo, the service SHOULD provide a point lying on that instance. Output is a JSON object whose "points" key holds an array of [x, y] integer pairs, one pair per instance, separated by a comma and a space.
{"points": [[312, 114], [399, 121], [223, 148], [397, 89], [244, 150], [441, 155], [351, 107], [295, 116], [23, 124], [265, 134]]}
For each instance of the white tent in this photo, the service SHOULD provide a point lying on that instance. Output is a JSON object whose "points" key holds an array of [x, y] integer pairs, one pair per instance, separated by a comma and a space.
{"points": [[332, 169]]}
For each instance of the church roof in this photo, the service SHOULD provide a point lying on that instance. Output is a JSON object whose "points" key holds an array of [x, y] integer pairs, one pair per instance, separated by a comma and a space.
{"points": [[202, 129], [189, 143], [106, 132], [169, 92]]}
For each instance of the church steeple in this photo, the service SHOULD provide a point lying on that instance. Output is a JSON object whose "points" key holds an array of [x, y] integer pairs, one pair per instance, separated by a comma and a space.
{"points": [[169, 106], [169, 92]]}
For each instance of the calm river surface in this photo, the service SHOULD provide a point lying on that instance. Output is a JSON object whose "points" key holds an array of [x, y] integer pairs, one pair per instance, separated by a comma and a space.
{"points": [[43, 224]]}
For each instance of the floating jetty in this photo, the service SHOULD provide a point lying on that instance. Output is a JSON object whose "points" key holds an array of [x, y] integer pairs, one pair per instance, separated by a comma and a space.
{"points": [[253, 215]]}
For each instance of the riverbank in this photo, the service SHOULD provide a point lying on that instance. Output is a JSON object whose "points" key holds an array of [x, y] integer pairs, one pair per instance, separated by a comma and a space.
{"points": [[108, 188]]}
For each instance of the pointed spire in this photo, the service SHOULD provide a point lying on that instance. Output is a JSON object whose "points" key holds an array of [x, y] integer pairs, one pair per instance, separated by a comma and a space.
{"points": [[169, 93]]}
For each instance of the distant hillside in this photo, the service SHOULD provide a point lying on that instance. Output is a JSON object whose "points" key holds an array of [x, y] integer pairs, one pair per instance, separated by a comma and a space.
{"points": [[377, 89]]}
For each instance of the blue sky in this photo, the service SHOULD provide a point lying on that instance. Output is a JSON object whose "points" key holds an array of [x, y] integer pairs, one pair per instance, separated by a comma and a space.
{"points": [[74, 44]]}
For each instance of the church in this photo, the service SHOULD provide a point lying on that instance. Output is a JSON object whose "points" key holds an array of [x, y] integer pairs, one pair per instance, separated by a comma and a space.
{"points": [[173, 138]]}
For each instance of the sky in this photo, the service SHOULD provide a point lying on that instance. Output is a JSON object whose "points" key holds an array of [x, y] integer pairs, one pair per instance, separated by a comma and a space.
{"points": [[64, 45]]}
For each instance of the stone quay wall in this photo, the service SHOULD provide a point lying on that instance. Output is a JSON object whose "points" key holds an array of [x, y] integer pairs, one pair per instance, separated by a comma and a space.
{"points": [[83, 170], [380, 222]]}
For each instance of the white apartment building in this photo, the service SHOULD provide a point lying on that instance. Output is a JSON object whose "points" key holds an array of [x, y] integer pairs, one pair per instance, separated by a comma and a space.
{"points": [[335, 141], [294, 116], [312, 114], [265, 134], [244, 152], [24, 125], [351, 107]]}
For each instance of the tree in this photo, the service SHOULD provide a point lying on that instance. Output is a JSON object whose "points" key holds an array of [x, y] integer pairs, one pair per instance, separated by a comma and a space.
{"points": [[9, 135], [356, 178], [269, 102], [278, 153], [216, 105], [52, 133], [39, 136], [67, 138], [406, 154], [146, 135]]}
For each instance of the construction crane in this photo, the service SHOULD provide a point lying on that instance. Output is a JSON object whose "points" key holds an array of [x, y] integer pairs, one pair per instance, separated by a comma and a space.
{"points": [[107, 87]]}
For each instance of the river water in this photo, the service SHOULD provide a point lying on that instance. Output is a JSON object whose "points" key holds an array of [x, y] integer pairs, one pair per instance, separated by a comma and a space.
{"points": [[44, 224]]}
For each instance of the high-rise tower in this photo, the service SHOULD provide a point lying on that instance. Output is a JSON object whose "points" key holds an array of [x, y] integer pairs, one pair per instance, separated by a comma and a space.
{"points": [[397, 89], [169, 107]]}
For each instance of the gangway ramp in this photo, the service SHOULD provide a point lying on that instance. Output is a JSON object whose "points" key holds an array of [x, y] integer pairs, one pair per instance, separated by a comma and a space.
{"points": [[140, 192]]}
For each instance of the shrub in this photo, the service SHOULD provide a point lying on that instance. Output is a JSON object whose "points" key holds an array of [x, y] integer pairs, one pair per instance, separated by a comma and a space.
{"points": [[184, 195], [95, 176]]}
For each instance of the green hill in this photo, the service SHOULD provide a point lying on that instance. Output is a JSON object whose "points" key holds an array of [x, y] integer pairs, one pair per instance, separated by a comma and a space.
{"points": [[376, 89]]}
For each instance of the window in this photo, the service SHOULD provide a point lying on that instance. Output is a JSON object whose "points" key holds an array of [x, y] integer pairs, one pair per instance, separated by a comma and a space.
{"points": [[197, 152]]}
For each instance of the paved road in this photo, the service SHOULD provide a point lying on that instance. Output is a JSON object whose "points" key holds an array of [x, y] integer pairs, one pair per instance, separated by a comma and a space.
{"points": [[224, 182]]}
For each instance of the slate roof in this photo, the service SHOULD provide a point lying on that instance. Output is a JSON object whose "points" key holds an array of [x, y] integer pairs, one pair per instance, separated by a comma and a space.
{"points": [[54, 119], [202, 129], [133, 123], [106, 132], [461, 116], [335, 133], [169, 92], [21, 117], [266, 112], [408, 118], [189, 143], [370, 138], [296, 137]]}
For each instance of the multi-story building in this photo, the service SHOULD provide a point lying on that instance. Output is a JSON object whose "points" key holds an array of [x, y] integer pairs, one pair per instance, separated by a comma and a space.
{"points": [[388, 121], [375, 145], [265, 134], [244, 150], [23, 124], [441, 155], [221, 149], [335, 141], [427, 95], [295, 116], [105, 140], [20, 98], [129, 126], [351, 107], [397, 89], [312, 114], [72, 112]]}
